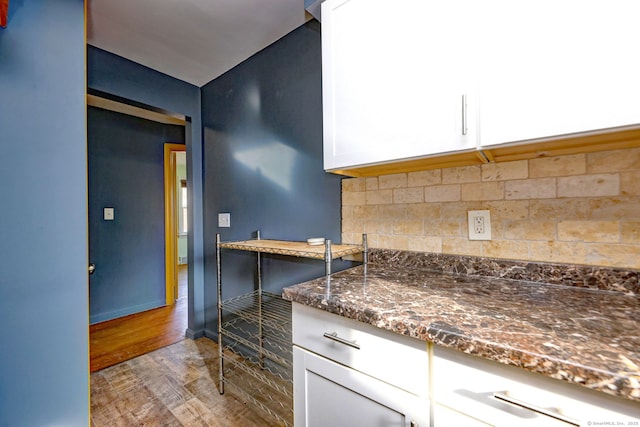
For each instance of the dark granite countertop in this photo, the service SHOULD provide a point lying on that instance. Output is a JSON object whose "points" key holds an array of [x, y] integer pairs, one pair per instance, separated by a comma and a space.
{"points": [[580, 335]]}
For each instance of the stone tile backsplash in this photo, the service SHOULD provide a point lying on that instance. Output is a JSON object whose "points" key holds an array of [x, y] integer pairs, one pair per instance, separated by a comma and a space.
{"points": [[577, 209]]}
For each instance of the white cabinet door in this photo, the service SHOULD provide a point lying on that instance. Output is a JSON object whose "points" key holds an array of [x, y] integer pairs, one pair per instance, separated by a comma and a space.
{"points": [[330, 394], [550, 68], [395, 74]]}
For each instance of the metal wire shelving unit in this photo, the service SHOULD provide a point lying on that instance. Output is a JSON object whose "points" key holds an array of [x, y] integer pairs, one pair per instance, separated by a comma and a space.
{"points": [[254, 329]]}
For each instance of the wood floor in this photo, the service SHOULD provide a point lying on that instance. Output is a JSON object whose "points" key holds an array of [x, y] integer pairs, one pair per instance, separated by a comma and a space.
{"points": [[172, 386], [121, 339], [146, 373]]}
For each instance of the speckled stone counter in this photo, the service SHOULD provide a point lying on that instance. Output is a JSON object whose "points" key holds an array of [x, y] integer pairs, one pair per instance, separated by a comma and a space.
{"points": [[576, 333]]}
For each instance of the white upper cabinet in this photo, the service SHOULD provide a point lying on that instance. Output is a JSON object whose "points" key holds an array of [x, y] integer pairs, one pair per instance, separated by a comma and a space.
{"points": [[396, 76], [551, 68]]}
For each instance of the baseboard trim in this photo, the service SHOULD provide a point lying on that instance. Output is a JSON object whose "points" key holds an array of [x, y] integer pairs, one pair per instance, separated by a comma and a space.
{"points": [[110, 315], [194, 335]]}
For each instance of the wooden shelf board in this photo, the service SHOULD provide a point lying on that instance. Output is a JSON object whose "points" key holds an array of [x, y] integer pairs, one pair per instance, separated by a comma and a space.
{"points": [[298, 249]]}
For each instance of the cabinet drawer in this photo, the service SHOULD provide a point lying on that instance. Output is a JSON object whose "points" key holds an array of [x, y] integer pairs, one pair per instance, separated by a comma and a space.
{"points": [[504, 395], [390, 357]]}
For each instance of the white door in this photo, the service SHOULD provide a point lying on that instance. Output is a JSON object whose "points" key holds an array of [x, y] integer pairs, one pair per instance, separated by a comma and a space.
{"points": [[395, 80], [551, 68]]}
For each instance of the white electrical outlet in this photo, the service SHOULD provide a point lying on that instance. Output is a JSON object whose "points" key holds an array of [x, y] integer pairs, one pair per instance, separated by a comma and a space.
{"points": [[479, 225], [224, 220]]}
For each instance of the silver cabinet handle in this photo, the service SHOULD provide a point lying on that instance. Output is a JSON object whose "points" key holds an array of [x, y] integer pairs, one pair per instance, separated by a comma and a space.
{"points": [[464, 114], [543, 411], [334, 336]]}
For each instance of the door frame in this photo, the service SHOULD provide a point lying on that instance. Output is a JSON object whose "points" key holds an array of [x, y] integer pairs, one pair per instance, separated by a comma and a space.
{"points": [[171, 221]]}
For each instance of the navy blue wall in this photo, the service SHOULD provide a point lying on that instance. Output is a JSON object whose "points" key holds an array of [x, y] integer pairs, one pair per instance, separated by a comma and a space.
{"points": [[115, 75], [126, 172], [263, 163], [43, 220]]}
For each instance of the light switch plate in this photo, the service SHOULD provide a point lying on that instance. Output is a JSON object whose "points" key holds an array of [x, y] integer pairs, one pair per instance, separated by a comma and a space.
{"points": [[224, 220], [479, 225], [109, 214]]}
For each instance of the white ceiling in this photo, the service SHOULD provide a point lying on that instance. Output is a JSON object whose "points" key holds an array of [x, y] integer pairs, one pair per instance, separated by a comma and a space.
{"points": [[191, 40]]}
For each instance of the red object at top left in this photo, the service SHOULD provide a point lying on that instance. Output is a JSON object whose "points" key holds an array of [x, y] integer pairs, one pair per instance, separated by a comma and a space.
{"points": [[4, 12]]}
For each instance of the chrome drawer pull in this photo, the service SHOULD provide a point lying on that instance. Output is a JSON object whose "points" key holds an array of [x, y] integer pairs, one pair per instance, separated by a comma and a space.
{"points": [[517, 402], [334, 336]]}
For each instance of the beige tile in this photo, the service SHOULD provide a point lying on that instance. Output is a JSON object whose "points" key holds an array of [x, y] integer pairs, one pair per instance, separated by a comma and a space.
{"points": [[379, 197], [425, 244], [349, 238], [443, 228], [392, 181], [442, 193], [589, 231], [615, 208], [422, 178], [408, 227], [354, 198], [558, 166], [379, 227], [630, 232], [394, 242], [424, 210], [347, 211], [505, 171], [392, 212], [461, 175], [541, 188], [373, 240], [614, 161], [491, 190], [589, 185], [559, 209], [353, 184], [461, 246], [506, 249], [408, 195], [560, 252], [353, 226], [630, 183], [511, 209], [366, 212], [459, 209], [619, 255], [372, 183], [530, 230]]}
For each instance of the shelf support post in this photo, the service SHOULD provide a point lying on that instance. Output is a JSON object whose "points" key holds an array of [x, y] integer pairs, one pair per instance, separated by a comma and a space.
{"points": [[219, 291]]}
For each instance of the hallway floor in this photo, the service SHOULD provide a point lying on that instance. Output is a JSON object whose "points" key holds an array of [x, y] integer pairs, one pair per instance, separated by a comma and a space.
{"points": [[121, 339], [172, 386]]}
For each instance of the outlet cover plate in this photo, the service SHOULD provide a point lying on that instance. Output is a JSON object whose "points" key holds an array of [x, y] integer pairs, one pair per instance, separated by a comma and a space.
{"points": [[224, 220], [479, 225], [108, 214]]}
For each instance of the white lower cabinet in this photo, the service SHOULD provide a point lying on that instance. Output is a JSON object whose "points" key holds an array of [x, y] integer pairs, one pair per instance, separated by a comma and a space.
{"points": [[500, 395], [348, 373], [330, 394]]}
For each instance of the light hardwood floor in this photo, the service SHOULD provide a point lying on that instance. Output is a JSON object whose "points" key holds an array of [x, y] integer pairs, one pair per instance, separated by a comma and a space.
{"points": [[121, 339]]}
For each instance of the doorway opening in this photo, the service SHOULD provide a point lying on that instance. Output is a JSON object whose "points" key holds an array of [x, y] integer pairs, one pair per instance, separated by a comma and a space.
{"points": [[135, 327]]}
